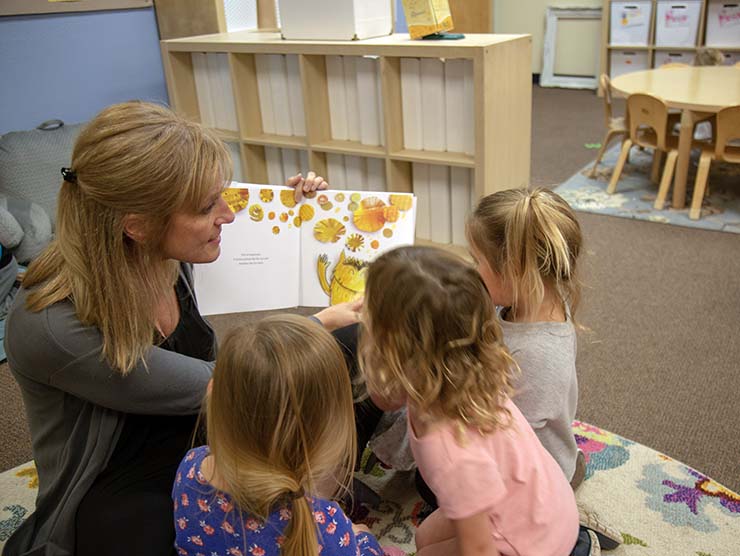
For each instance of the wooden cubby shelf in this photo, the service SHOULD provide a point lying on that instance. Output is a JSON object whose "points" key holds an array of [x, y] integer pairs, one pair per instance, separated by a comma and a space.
{"points": [[702, 17], [272, 99]]}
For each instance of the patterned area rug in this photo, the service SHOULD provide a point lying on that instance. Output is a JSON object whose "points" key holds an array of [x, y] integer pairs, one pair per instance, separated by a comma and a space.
{"points": [[661, 506], [635, 193]]}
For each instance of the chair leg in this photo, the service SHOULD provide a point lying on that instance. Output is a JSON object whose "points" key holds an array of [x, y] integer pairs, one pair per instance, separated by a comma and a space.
{"points": [[657, 161], [700, 186], [602, 150], [665, 183], [626, 146]]}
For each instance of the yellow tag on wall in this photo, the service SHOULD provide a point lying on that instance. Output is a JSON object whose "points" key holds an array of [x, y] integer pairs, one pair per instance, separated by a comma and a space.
{"points": [[425, 17]]}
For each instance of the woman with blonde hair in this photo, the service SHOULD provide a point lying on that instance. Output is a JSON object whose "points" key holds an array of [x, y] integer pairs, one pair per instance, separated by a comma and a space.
{"points": [[105, 338], [431, 342], [281, 443]]}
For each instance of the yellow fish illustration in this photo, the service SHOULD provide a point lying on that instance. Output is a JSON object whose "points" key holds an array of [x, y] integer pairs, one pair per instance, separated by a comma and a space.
{"points": [[347, 280]]}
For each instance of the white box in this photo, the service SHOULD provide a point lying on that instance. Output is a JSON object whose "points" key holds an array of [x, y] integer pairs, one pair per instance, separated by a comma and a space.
{"points": [[723, 23], [665, 57], [335, 19], [677, 23], [630, 23], [627, 61]]}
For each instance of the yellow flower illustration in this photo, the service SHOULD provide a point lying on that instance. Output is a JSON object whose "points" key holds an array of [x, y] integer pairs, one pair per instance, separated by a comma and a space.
{"points": [[267, 195], [355, 242], [256, 213], [306, 212], [370, 216], [328, 230], [237, 199], [287, 197], [403, 202]]}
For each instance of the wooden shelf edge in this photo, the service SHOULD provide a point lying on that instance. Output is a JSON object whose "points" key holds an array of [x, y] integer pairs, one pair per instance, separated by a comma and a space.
{"points": [[434, 157], [286, 141], [628, 47], [350, 148]]}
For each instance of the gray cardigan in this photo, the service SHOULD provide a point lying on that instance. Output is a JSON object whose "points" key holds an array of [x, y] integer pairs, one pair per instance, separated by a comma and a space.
{"points": [[76, 405]]}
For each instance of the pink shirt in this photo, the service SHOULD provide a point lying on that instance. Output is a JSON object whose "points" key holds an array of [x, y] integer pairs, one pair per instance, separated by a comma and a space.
{"points": [[507, 474]]}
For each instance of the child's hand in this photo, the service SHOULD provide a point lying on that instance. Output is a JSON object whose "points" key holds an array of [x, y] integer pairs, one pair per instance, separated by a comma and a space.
{"points": [[340, 315], [360, 528], [302, 185]]}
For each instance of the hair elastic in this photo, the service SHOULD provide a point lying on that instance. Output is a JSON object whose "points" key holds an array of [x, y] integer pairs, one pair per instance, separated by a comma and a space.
{"points": [[69, 175], [298, 494]]}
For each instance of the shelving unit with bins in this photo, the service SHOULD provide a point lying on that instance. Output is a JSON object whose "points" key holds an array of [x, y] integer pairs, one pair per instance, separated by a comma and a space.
{"points": [[654, 51], [502, 103]]}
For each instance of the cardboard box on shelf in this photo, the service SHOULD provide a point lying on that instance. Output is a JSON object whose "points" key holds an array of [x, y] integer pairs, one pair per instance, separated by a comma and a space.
{"points": [[630, 23], [677, 23], [426, 17]]}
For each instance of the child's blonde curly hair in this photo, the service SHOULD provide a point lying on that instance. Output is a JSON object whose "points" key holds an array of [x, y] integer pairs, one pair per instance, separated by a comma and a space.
{"points": [[431, 337]]}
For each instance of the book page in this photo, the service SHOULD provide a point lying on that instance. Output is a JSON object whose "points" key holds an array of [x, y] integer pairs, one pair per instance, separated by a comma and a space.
{"points": [[259, 265], [341, 233]]}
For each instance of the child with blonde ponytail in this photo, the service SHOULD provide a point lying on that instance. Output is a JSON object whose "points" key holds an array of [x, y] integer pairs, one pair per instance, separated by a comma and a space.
{"points": [[526, 246], [281, 442]]}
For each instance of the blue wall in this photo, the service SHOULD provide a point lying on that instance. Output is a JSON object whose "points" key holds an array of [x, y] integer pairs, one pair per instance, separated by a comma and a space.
{"points": [[70, 66]]}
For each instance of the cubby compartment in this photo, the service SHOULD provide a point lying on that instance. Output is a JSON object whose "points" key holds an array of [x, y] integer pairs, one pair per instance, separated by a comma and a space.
{"points": [[354, 112]]}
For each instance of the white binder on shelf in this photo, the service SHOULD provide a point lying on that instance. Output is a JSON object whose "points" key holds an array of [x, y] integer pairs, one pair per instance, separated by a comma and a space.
{"points": [[274, 166], [420, 180], [335, 168], [203, 89], [411, 103], [305, 165], [468, 122], [280, 95], [439, 195], [433, 104], [265, 93], [454, 105], [461, 197], [236, 158], [376, 174], [337, 98], [217, 90], [295, 95], [356, 173], [381, 117], [227, 92], [291, 164], [353, 107], [367, 100]]}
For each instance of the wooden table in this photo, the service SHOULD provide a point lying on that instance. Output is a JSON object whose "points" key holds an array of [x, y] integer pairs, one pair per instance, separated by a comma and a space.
{"points": [[697, 91]]}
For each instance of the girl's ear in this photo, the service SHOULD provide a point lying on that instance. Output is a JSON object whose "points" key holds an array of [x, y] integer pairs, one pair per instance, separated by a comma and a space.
{"points": [[135, 227]]}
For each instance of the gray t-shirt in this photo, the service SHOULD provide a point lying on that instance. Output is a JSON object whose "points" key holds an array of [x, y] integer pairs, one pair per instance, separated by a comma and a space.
{"points": [[76, 406], [546, 392]]}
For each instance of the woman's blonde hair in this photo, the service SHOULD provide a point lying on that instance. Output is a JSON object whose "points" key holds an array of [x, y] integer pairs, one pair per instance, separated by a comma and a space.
{"points": [[532, 240], [132, 158], [432, 337], [280, 421]]}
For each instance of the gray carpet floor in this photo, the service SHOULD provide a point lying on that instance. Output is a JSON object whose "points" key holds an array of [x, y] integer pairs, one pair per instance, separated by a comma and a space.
{"points": [[658, 356]]}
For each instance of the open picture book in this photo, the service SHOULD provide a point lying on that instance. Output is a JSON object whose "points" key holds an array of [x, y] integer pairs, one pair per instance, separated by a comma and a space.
{"points": [[278, 253]]}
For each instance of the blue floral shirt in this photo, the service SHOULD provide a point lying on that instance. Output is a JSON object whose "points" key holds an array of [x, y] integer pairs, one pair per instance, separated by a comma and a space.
{"points": [[208, 524]]}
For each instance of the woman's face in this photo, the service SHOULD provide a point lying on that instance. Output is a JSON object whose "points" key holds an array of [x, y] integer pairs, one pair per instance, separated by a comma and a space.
{"points": [[195, 237]]}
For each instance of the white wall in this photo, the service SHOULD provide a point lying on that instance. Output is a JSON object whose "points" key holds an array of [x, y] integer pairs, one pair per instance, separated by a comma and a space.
{"points": [[528, 16]]}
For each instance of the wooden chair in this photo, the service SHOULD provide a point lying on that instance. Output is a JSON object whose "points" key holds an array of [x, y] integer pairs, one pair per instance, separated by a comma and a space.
{"points": [[728, 128], [649, 126], [614, 126]]}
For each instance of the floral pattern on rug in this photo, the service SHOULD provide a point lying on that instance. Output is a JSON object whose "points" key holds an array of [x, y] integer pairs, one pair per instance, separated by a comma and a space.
{"points": [[603, 450], [636, 194], [660, 505], [684, 496]]}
